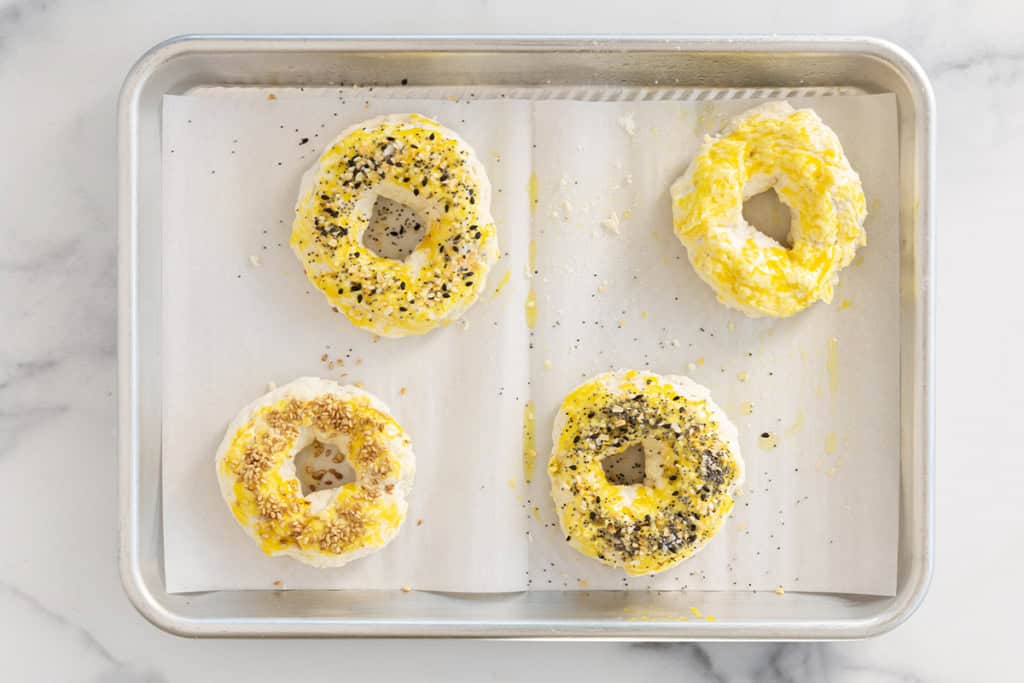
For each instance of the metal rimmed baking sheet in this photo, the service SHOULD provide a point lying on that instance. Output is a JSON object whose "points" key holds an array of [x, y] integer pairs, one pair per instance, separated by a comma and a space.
{"points": [[528, 64]]}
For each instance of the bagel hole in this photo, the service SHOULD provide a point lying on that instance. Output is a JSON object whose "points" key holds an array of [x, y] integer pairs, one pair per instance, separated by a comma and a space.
{"points": [[395, 230], [320, 466], [627, 467], [769, 216]]}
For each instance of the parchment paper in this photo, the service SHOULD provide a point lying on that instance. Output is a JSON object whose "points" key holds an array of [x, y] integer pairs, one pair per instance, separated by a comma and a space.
{"points": [[819, 511], [231, 170]]}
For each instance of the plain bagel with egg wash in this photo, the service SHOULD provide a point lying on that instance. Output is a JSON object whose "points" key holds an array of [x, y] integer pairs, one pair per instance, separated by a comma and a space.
{"points": [[772, 146]]}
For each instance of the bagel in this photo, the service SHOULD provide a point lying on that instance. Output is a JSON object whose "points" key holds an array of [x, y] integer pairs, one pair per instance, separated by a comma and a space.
{"points": [[417, 162], [328, 528], [693, 467], [793, 152]]}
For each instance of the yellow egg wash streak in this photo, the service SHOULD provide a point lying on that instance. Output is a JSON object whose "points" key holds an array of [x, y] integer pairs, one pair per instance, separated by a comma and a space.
{"points": [[531, 190], [529, 442], [531, 309], [833, 366], [504, 281], [798, 424]]}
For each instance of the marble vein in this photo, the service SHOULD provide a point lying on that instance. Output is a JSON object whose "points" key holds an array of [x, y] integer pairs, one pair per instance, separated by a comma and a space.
{"points": [[23, 370], [1015, 60], [83, 636], [48, 258]]}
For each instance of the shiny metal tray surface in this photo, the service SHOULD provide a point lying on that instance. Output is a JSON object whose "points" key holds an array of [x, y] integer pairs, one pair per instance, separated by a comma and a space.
{"points": [[645, 67]]}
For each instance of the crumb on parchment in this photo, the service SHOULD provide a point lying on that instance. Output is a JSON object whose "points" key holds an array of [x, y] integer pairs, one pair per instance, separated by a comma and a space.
{"points": [[611, 224], [628, 123]]}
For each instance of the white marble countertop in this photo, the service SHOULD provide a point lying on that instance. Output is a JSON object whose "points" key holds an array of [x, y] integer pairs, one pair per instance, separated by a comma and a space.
{"points": [[63, 614]]}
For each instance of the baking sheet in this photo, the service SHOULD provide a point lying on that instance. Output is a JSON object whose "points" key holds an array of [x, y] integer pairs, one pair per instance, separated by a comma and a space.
{"points": [[819, 510]]}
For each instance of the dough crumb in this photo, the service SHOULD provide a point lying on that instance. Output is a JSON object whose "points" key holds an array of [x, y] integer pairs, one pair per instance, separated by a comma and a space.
{"points": [[566, 209], [628, 123], [780, 591], [548, 364], [406, 589], [691, 366], [611, 224], [255, 261]]}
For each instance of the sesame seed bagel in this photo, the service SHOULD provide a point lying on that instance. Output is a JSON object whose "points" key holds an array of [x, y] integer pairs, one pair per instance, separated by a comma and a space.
{"points": [[328, 528], [693, 466], [414, 161], [794, 152]]}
